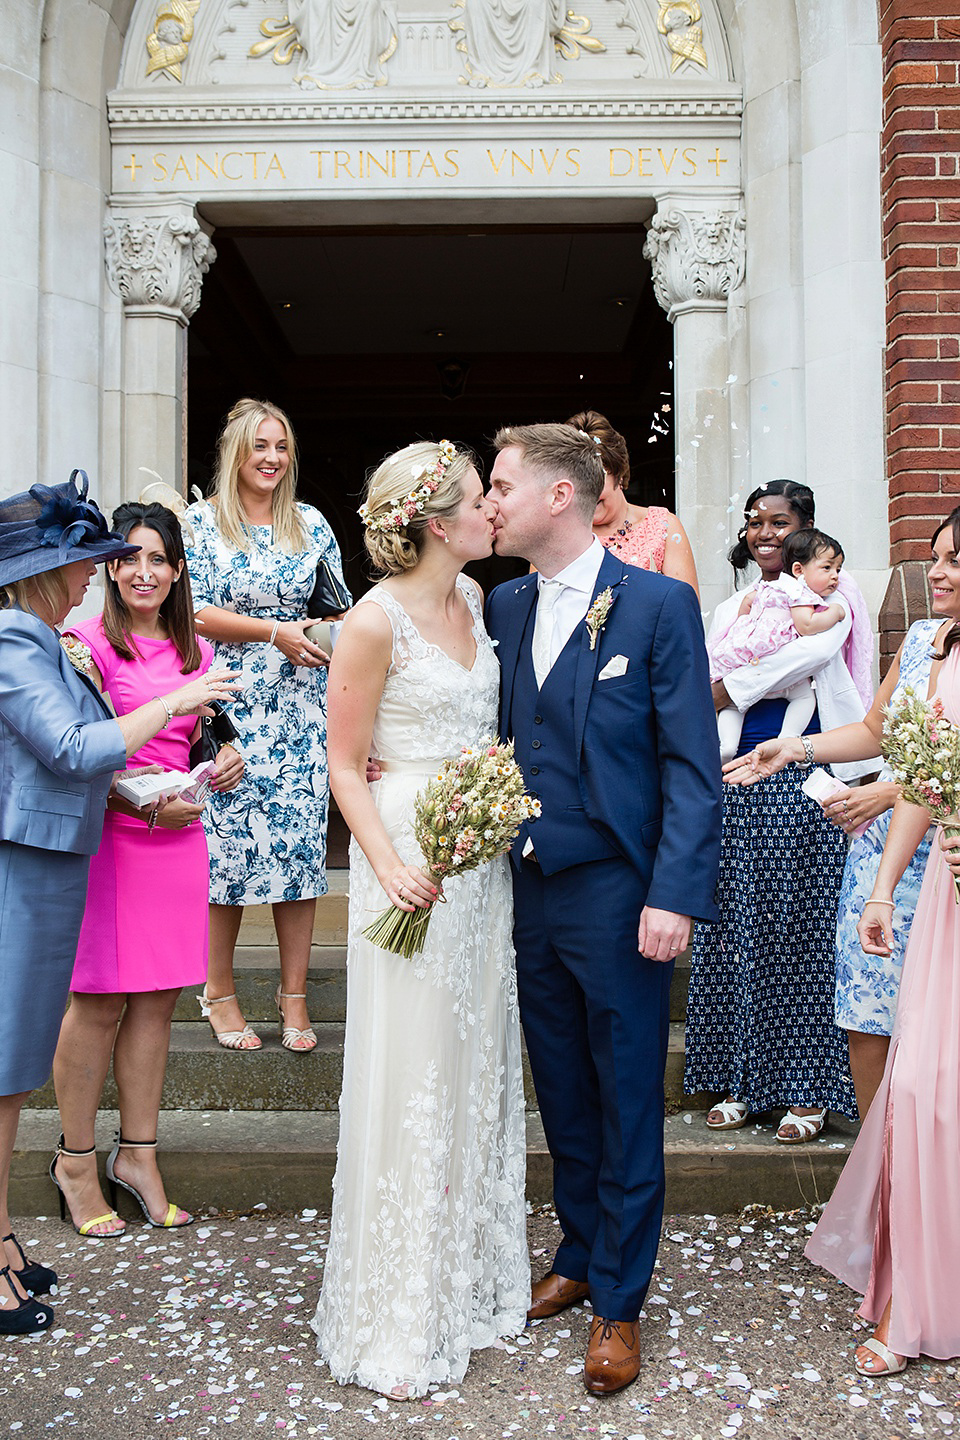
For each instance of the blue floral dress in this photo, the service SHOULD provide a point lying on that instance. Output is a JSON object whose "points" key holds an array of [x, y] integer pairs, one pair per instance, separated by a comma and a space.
{"points": [[267, 838], [867, 985]]}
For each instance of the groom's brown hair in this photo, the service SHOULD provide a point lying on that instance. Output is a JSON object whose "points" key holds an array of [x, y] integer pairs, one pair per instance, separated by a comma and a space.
{"points": [[558, 452]]}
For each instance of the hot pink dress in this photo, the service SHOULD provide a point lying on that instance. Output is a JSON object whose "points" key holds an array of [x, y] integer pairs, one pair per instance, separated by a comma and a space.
{"points": [[643, 544], [145, 925], [891, 1225]]}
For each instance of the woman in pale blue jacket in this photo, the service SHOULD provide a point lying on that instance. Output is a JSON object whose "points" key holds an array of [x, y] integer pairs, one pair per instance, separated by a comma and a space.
{"points": [[59, 748]]}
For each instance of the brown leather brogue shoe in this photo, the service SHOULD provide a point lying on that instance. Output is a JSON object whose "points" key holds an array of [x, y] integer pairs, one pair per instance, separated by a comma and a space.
{"points": [[553, 1293], [613, 1355]]}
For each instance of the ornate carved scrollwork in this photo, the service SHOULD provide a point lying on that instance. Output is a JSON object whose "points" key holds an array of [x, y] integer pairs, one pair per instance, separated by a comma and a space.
{"points": [[157, 261], [697, 257]]}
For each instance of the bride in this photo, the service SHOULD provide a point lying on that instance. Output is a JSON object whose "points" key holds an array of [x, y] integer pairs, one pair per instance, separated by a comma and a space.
{"points": [[427, 1258]]}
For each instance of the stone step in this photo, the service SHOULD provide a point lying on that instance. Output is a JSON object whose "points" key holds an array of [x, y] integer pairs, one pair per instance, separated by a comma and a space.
{"points": [[226, 1161], [257, 972], [202, 1075]]}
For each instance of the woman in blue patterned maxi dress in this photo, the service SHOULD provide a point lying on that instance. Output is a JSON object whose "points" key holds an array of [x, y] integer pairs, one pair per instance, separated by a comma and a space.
{"points": [[252, 568]]}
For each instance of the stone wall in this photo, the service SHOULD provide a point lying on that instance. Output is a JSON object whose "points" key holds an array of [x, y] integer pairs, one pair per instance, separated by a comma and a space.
{"points": [[921, 224]]}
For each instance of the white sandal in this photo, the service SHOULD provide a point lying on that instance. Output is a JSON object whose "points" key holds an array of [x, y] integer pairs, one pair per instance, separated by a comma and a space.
{"points": [[895, 1364], [734, 1114], [809, 1127], [289, 1034], [229, 1039]]}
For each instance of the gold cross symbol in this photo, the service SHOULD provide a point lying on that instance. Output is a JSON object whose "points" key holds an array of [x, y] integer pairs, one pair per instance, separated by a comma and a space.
{"points": [[716, 161], [133, 167]]}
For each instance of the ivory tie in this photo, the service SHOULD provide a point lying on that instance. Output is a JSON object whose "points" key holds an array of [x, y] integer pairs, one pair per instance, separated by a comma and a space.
{"points": [[544, 628]]}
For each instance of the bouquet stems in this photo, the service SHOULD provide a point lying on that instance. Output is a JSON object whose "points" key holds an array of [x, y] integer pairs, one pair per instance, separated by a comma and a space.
{"points": [[952, 832], [402, 932]]}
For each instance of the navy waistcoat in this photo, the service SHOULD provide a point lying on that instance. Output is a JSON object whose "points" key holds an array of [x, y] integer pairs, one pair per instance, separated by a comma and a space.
{"points": [[541, 723]]}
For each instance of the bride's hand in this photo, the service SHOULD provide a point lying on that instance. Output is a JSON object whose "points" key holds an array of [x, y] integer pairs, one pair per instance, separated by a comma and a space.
{"points": [[409, 888]]}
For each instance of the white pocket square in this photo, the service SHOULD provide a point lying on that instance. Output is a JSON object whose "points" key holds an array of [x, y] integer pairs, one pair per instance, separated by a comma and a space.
{"points": [[616, 666]]}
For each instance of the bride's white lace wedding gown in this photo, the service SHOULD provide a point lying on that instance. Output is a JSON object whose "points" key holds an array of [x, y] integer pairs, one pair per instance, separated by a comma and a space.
{"points": [[428, 1257]]}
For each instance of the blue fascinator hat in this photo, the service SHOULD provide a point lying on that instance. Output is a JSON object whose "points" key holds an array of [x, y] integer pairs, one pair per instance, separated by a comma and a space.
{"points": [[48, 526]]}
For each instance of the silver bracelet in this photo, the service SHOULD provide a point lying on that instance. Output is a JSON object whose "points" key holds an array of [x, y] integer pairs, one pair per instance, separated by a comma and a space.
{"points": [[167, 710], [891, 903], [808, 755], [273, 632]]}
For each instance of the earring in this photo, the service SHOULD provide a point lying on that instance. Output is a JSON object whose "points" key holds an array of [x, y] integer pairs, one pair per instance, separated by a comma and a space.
{"points": [[446, 539]]}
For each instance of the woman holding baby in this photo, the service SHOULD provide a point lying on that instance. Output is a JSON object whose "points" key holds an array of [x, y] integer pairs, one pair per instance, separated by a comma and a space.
{"points": [[760, 1025]]}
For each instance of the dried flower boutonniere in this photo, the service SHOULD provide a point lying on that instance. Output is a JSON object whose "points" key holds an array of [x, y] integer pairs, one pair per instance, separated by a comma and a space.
{"points": [[596, 616], [79, 655]]}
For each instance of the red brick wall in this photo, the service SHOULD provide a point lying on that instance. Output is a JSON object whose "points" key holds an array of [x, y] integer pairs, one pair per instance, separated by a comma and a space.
{"points": [[921, 236]]}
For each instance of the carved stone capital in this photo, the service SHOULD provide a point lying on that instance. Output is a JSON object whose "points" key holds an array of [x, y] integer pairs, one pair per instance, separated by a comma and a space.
{"points": [[156, 258], [697, 257]]}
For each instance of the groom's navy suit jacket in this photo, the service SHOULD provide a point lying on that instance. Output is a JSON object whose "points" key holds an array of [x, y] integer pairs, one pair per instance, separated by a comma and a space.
{"points": [[644, 743]]}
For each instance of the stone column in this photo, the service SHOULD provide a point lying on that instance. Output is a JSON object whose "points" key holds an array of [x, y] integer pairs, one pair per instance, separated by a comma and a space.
{"points": [[156, 256], [696, 249]]}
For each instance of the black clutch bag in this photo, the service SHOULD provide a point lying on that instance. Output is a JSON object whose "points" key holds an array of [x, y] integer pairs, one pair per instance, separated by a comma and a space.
{"points": [[330, 596], [215, 730]]}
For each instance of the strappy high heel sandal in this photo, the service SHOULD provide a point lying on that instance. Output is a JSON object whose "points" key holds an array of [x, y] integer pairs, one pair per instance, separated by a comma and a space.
{"points": [[87, 1228], [245, 1039], [38, 1279], [290, 1036], [174, 1218], [28, 1316]]}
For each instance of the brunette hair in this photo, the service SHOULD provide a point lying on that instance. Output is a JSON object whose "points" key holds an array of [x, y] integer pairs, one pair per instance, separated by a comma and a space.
{"points": [[798, 497], [613, 447], [952, 636], [234, 447], [44, 595], [176, 611], [805, 545], [396, 549], [557, 452]]}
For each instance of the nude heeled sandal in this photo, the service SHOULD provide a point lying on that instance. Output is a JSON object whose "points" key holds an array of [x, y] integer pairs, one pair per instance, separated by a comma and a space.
{"points": [[245, 1039], [289, 1034]]}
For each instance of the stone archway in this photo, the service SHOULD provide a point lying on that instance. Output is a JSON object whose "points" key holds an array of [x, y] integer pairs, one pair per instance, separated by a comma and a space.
{"points": [[629, 110]]}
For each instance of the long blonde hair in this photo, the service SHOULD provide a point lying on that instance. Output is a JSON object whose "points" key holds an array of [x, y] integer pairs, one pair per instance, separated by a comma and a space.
{"points": [[234, 447]]}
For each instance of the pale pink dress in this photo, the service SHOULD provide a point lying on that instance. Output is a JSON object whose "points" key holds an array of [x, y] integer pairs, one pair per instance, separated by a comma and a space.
{"points": [[893, 1223], [643, 544], [766, 628]]}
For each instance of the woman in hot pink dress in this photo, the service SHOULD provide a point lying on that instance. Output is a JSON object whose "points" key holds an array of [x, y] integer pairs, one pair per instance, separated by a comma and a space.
{"points": [[144, 931], [650, 537], [890, 1229]]}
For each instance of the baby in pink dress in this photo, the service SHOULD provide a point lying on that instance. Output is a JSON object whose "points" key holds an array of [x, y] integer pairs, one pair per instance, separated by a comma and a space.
{"points": [[803, 600]]}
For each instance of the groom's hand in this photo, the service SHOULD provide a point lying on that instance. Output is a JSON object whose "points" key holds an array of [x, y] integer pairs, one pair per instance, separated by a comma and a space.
{"points": [[662, 934]]}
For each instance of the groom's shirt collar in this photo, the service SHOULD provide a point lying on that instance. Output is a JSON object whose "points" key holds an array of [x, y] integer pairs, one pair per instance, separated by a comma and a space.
{"points": [[581, 574]]}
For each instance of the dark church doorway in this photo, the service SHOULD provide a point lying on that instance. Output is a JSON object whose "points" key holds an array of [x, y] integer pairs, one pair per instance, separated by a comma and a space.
{"points": [[372, 337]]}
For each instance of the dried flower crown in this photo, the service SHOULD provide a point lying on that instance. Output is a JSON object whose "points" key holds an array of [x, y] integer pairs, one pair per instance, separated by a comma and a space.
{"points": [[412, 504]]}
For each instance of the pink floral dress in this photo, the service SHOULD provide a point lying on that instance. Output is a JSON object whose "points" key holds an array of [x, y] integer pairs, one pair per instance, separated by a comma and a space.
{"points": [[643, 544]]}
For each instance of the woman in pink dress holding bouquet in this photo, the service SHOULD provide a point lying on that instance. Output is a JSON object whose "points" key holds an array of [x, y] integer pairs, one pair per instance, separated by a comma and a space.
{"points": [[144, 933], [889, 1230]]}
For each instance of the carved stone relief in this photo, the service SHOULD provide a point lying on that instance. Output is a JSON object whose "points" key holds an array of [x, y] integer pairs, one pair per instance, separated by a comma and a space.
{"points": [[697, 257], [157, 260], [169, 41], [344, 44], [679, 24]]}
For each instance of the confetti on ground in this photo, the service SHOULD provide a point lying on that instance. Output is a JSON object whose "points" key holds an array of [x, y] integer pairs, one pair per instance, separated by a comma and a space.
{"points": [[204, 1328]]}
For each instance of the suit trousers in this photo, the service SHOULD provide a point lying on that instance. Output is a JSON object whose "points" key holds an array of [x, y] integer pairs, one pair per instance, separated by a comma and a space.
{"points": [[595, 1016]]}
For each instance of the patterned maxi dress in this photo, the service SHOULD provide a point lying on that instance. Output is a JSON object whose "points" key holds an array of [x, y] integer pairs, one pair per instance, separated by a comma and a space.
{"points": [[267, 838], [427, 1258], [867, 985]]}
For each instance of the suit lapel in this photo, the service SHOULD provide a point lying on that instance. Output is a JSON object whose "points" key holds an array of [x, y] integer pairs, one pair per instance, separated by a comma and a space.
{"points": [[612, 573], [509, 648]]}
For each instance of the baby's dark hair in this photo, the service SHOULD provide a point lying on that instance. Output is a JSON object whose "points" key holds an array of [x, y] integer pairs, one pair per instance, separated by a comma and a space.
{"points": [[802, 546]]}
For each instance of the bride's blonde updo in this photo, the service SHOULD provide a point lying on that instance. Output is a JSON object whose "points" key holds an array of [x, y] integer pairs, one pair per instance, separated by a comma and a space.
{"points": [[417, 484]]}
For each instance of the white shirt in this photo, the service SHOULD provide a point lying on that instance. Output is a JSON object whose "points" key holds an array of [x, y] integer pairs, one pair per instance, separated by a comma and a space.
{"points": [[579, 580]]}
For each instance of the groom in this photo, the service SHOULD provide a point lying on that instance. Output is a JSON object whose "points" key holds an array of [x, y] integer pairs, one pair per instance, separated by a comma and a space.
{"points": [[606, 694]]}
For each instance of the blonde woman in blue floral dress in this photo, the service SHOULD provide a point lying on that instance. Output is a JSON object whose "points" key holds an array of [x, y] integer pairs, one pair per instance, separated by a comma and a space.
{"points": [[253, 567]]}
